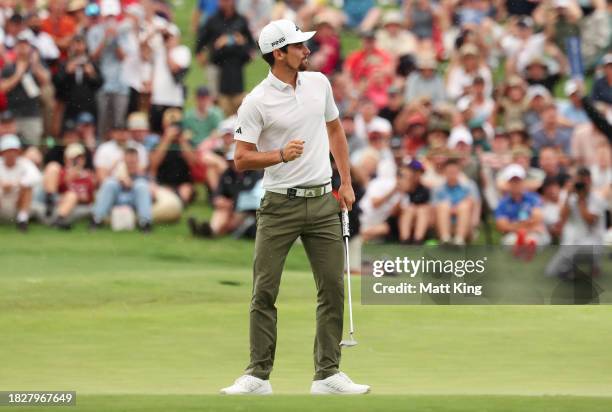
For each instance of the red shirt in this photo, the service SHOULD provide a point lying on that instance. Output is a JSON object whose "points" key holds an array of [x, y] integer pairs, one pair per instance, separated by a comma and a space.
{"points": [[362, 65], [65, 27], [83, 185]]}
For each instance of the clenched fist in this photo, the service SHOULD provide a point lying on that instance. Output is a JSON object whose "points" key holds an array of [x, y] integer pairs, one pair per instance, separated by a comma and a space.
{"points": [[292, 150]]}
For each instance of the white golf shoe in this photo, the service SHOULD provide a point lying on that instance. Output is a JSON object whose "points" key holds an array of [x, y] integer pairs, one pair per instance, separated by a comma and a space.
{"points": [[248, 385], [338, 384]]}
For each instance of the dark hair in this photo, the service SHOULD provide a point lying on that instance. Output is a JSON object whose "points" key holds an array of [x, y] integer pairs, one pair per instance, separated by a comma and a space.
{"points": [[269, 57]]}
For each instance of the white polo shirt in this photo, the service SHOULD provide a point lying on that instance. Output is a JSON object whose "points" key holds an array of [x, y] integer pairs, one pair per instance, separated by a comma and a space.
{"points": [[274, 114]]}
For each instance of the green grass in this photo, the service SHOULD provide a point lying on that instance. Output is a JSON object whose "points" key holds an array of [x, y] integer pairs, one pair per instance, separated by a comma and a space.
{"points": [[163, 319]]}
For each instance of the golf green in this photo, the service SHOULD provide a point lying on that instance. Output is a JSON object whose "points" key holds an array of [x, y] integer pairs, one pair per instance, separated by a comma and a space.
{"points": [[134, 322]]}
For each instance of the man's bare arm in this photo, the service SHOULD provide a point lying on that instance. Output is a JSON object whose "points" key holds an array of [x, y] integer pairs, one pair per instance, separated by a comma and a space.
{"points": [[247, 157]]}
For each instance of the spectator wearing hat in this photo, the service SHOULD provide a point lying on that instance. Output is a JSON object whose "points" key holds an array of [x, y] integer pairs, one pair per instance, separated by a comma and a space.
{"points": [[537, 71], [415, 134], [138, 127], [22, 82], [511, 103], [174, 156], [55, 164], [128, 186], [464, 70], [228, 41], [425, 82], [77, 81], [393, 37], [394, 104], [534, 177], [519, 214], [572, 111], [536, 100], [454, 202], [171, 62], [366, 116], [325, 51], [76, 186], [550, 132], [415, 210], [76, 10], [602, 87], [376, 159], [461, 144], [18, 176], [204, 117]]}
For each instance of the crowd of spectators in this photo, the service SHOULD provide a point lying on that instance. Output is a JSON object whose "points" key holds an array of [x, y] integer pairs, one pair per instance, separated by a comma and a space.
{"points": [[461, 115]]}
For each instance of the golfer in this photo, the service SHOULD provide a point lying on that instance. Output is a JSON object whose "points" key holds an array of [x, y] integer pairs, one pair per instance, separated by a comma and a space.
{"points": [[287, 126]]}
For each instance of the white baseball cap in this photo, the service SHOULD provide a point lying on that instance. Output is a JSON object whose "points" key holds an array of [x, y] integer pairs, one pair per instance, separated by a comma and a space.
{"points": [[513, 171], [571, 87], [279, 33], [460, 135], [9, 142]]}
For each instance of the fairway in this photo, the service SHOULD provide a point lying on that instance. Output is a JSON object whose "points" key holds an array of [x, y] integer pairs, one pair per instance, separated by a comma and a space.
{"points": [[127, 314]]}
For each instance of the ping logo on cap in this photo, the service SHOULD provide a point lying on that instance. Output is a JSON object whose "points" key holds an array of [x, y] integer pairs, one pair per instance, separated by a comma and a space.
{"points": [[279, 41]]}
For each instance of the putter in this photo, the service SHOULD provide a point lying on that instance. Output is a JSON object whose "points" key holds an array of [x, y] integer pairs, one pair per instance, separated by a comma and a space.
{"points": [[347, 343]]}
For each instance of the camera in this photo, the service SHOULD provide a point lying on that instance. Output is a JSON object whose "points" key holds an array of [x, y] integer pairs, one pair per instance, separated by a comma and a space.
{"points": [[579, 186]]}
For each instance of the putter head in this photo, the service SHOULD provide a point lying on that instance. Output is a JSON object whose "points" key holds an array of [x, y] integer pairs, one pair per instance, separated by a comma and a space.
{"points": [[347, 343]]}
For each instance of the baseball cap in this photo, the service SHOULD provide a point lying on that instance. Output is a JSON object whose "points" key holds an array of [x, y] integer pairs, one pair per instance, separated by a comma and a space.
{"points": [[380, 125], [513, 171], [85, 118], [469, 49], [460, 135], [537, 90], [571, 87], [92, 9], [75, 5], [392, 17], [74, 150], [6, 116], [25, 35], [607, 59], [227, 125], [9, 142], [138, 121], [279, 33], [202, 91], [426, 62], [415, 165], [110, 8]]}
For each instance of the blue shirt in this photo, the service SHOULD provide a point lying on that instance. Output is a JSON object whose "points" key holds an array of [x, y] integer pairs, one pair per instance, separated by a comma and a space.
{"points": [[208, 7], [572, 113], [453, 194], [516, 211], [562, 139]]}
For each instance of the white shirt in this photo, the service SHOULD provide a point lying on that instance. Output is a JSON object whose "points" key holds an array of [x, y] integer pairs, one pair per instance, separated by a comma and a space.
{"points": [[23, 174], [274, 114], [109, 155], [379, 187], [167, 92], [576, 231]]}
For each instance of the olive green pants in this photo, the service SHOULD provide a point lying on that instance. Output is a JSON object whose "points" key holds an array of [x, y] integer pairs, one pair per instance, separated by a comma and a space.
{"points": [[280, 221]]}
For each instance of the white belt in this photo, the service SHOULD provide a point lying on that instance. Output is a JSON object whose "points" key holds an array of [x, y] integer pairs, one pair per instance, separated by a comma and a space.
{"points": [[304, 191]]}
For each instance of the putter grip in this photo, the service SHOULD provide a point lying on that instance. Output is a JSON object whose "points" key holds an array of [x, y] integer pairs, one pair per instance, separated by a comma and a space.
{"points": [[345, 224]]}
